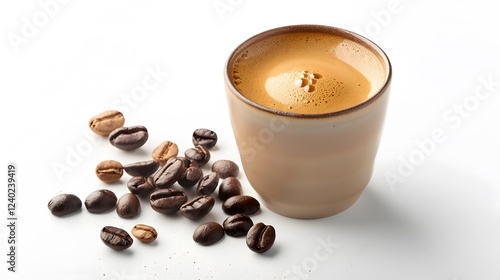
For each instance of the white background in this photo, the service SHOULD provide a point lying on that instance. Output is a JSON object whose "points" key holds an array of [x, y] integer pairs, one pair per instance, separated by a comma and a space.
{"points": [[438, 218]]}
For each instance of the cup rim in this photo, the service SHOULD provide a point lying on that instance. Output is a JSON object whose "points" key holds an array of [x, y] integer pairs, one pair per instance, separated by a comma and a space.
{"points": [[315, 28]]}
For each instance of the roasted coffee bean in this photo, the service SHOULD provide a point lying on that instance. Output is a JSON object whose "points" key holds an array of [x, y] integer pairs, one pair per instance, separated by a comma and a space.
{"points": [[226, 168], [199, 154], [109, 171], [242, 204], [207, 184], [141, 186], [167, 201], [128, 206], [142, 168], [116, 238], [204, 137], [190, 177], [106, 122], [261, 237], [129, 138], [100, 201], [237, 225], [198, 207], [164, 151], [230, 186], [64, 204], [208, 233], [167, 175], [144, 233]]}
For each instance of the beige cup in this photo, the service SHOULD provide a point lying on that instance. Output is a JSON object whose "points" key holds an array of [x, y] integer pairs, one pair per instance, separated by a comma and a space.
{"points": [[312, 166]]}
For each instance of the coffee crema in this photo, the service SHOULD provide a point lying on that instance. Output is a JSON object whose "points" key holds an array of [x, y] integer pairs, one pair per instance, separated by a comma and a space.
{"points": [[299, 73]]}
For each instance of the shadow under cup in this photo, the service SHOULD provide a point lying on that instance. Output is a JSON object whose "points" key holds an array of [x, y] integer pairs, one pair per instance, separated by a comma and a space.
{"points": [[312, 165]]}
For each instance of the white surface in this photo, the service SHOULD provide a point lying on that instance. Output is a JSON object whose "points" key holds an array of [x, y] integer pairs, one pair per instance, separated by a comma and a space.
{"points": [[442, 222]]}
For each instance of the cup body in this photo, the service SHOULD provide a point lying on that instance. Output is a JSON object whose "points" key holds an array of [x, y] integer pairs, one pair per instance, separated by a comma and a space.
{"points": [[311, 165]]}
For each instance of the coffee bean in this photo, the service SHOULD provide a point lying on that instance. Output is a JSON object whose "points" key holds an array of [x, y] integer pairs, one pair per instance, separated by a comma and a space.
{"points": [[144, 233], [109, 171], [230, 186], [190, 177], [100, 201], [141, 168], [226, 168], [208, 184], [208, 233], [167, 201], [167, 175], [128, 206], [129, 138], [198, 207], [237, 225], [261, 237], [199, 154], [141, 186], [64, 204], [204, 137], [241, 204], [116, 238], [164, 151], [105, 122]]}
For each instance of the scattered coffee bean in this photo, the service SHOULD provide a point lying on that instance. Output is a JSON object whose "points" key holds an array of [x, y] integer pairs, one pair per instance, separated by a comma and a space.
{"points": [[237, 225], [241, 204], [142, 168], [116, 238], [141, 186], [105, 122], [109, 171], [128, 206], [190, 177], [226, 168], [230, 186], [208, 233], [199, 154], [100, 201], [261, 237], [167, 175], [198, 207], [64, 204], [204, 137], [144, 233], [167, 201], [164, 151], [208, 184], [129, 138]]}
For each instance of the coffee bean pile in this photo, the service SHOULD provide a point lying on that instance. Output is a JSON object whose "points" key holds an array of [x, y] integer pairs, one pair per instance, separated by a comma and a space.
{"points": [[155, 179]]}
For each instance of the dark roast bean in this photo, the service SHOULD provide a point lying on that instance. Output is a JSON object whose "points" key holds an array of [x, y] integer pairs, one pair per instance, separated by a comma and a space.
{"points": [[230, 186], [204, 137], [100, 201], [144, 233], [116, 238], [106, 122], [208, 233], [129, 138], [167, 201], [128, 206], [237, 225], [141, 186], [164, 151], [226, 168], [109, 171], [207, 184], [167, 175], [142, 168], [242, 204], [64, 204], [199, 154], [190, 177], [261, 237], [198, 207]]}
